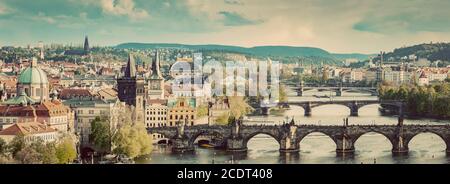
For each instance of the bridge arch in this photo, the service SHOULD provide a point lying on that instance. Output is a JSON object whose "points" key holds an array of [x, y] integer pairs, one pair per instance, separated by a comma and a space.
{"points": [[252, 135], [348, 107], [302, 136], [196, 135], [442, 137], [301, 139], [386, 136]]}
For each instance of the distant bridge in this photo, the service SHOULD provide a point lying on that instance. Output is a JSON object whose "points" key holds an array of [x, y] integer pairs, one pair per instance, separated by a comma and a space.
{"points": [[236, 136], [300, 88], [353, 105]]}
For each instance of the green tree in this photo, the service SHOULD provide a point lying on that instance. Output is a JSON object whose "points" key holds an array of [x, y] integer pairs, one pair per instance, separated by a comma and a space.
{"points": [[101, 134], [3, 147], [222, 119], [132, 140], [283, 94], [238, 106], [65, 151], [17, 144], [202, 111], [48, 154]]}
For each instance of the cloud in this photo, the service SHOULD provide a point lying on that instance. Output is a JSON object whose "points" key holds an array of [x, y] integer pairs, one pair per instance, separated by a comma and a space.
{"points": [[42, 17], [123, 7], [234, 19], [234, 2], [366, 26], [4, 9], [394, 17]]}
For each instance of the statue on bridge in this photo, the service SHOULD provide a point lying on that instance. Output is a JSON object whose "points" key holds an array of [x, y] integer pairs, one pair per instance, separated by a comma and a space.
{"points": [[235, 127], [180, 128]]}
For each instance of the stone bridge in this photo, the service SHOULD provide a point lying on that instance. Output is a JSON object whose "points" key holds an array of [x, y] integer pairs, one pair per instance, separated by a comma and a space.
{"points": [[236, 136], [338, 89], [353, 105]]}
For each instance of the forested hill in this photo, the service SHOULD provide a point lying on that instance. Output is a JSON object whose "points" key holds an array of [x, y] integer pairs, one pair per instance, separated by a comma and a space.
{"points": [[261, 51], [431, 51]]}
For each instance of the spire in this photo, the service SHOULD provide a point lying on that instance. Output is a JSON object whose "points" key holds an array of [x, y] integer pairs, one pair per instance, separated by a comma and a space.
{"points": [[130, 71], [86, 44], [156, 74]]}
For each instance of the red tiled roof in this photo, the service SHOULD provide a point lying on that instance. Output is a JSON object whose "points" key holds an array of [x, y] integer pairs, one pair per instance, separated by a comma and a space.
{"points": [[27, 129], [70, 93]]}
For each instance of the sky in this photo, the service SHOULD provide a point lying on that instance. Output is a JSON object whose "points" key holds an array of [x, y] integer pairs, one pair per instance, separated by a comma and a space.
{"points": [[338, 26]]}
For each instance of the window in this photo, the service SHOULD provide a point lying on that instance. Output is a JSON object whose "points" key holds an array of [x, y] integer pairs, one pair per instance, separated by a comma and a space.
{"points": [[91, 111]]}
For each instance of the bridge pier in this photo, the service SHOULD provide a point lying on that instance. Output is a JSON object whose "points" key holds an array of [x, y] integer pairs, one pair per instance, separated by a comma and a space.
{"points": [[344, 147], [354, 109], [236, 145], [300, 92], [289, 145], [181, 145], [399, 147], [374, 93], [339, 92], [307, 109], [265, 111]]}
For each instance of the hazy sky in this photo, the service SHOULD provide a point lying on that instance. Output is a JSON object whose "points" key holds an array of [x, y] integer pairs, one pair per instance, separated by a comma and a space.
{"points": [[344, 26]]}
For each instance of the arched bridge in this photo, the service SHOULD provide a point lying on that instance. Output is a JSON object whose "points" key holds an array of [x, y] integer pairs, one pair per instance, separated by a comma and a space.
{"points": [[236, 136], [339, 90], [353, 105]]}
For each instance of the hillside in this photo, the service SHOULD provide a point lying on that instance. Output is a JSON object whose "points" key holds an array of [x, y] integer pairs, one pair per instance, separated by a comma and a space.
{"points": [[431, 51], [260, 51]]}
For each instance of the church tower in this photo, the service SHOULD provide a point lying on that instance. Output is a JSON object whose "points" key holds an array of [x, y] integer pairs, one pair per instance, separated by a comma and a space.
{"points": [[156, 81], [130, 89], [86, 45]]}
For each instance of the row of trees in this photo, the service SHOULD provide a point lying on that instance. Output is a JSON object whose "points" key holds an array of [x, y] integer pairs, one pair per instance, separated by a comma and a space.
{"points": [[37, 151], [425, 101]]}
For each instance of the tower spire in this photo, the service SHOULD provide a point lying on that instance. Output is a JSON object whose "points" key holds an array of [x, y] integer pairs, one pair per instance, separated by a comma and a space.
{"points": [[130, 71], [155, 66], [86, 44]]}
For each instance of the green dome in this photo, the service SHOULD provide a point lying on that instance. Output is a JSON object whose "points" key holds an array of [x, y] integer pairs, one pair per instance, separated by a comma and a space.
{"points": [[33, 75]]}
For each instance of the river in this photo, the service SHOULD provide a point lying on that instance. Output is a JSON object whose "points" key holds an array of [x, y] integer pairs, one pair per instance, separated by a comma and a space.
{"points": [[317, 148]]}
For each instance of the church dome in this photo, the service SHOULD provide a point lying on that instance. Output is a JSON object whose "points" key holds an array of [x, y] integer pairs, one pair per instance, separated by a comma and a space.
{"points": [[33, 75]]}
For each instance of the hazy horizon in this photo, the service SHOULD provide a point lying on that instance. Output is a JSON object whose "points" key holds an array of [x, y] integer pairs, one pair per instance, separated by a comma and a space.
{"points": [[347, 26]]}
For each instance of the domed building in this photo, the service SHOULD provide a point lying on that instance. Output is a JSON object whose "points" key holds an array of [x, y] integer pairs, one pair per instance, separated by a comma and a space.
{"points": [[33, 81]]}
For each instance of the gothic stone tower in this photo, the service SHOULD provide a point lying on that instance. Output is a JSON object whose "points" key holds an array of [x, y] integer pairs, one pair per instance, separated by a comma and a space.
{"points": [[86, 48], [156, 81], [130, 89]]}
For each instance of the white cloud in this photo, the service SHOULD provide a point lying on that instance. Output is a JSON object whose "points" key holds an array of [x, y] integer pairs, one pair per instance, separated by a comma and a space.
{"points": [[123, 7], [42, 17]]}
